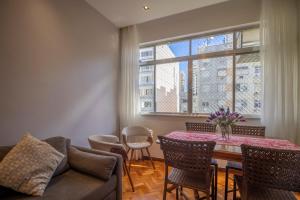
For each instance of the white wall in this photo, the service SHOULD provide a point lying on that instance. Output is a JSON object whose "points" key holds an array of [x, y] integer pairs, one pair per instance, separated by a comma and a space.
{"points": [[231, 13], [59, 62]]}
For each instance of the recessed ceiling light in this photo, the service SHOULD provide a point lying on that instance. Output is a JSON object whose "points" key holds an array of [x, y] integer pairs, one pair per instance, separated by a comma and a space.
{"points": [[146, 7]]}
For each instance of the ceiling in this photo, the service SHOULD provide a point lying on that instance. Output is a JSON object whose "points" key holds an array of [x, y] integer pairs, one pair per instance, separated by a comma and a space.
{"points": [[128, 12]]}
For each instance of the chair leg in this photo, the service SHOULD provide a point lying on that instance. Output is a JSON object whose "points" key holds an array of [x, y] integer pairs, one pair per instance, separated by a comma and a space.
{"points": [[150, 158], [129, 177], [226, 183], [142, 154], [124, 171], [165, 190], [131, 156], [177, 196], [213, 194], [196, 195], [216, 182], [165, 182], [207, 196], [234, 189]]}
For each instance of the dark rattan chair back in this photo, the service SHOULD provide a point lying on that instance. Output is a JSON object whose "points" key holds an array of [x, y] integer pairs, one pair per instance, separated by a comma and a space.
{"points": [[248, 130], [200, 126], [187, 155], [271, 168]]}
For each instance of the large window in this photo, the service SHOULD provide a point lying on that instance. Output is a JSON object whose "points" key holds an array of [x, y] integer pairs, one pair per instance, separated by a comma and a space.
{"points": [[202, 73]]}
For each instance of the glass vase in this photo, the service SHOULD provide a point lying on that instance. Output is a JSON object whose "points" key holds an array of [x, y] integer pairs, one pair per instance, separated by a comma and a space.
{"points": [[225, 131]]}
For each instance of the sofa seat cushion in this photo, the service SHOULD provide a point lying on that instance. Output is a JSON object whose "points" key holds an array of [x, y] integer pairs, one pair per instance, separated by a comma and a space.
{"points": [[73, 185]]}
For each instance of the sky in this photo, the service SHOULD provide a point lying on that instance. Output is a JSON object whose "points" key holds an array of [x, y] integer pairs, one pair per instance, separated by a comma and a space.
{"points": [[181, 48]]}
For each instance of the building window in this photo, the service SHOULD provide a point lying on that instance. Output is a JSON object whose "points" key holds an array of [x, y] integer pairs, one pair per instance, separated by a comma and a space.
{"points": [[241, 105], [202, 73], [221, 73], [221, 87], [242, 71], [146, 54], [147, 104], [242, 87]]}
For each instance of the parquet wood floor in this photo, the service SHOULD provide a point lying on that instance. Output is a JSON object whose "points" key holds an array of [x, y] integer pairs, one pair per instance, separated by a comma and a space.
{"points": [[149, 183]]}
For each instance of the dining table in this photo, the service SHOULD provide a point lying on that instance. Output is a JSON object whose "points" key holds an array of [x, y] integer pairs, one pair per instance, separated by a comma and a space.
{"points": [[230, 148]]}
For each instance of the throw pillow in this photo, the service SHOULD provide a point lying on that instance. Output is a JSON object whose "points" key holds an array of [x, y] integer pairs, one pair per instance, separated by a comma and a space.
{"points": [[92, 164], [29, 166], [61, 144]]}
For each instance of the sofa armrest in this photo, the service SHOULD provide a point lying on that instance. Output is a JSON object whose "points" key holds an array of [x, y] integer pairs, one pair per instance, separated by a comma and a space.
{"points": [[118, 169]]}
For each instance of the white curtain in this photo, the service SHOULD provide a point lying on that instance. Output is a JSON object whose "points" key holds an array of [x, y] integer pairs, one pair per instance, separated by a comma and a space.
{"points": [[279, 52], [129, 76]]}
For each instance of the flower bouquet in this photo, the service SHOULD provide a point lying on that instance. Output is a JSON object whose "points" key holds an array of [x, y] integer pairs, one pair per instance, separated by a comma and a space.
{"points": [[224, 119]]}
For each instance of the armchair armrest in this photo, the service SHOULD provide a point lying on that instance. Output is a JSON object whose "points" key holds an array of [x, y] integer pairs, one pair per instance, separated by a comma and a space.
{"points": [[118, 168]]}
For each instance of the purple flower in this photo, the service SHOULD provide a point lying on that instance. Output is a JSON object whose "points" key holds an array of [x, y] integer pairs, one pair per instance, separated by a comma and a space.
{"points": [[225, 117]]}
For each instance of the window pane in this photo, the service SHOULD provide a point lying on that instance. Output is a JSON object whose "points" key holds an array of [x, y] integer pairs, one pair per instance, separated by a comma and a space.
{"points": [[212, 43], [146, 54], [213, 91], [248, 38], [171, 87], [172, 50], [146, 85], [248, 89]]}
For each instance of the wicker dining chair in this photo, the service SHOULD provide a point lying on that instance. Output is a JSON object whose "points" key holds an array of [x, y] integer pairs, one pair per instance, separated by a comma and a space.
{"points": [[248, 130], [233, 167], [138, 138], [269, 174], [190, 162], [205, 127], [112, 144], [200, 126]]}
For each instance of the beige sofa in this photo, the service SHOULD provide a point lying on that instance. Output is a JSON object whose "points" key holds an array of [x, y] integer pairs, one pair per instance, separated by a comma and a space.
{"points": [[70, 184]]}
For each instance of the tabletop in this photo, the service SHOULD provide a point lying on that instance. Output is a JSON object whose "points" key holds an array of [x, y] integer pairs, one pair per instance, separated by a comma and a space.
{"points": [[229, 149]]}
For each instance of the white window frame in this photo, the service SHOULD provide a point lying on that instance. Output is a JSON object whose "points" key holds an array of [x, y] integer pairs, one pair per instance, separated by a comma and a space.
{"points": [[234, 52]]}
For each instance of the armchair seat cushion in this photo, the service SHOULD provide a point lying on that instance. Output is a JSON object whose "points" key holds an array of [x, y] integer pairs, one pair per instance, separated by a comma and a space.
{"points": [[73, 185], [138, 145]]}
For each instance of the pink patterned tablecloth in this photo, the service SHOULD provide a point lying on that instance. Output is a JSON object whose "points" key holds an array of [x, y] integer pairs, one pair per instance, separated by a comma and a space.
{"points": [[234, 140]]}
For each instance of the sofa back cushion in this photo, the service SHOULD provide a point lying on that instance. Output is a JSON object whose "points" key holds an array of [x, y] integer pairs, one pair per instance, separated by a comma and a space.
{"points": [[96, 165], [62, 145]]}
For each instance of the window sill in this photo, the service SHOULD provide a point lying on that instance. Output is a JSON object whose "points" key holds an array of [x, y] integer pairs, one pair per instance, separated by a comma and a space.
{"points": [[203, 115]]}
